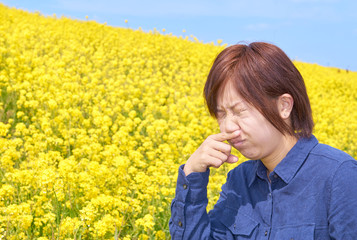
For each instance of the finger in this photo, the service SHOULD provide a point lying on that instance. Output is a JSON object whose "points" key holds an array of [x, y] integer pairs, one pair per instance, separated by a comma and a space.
{"points": [[232, 159], [214, 162], [219, 155], [222, 147], [223, 136]]}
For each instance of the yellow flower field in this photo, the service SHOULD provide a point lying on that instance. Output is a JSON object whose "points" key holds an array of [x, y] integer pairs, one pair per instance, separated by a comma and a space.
{"points": [[95, 121]]}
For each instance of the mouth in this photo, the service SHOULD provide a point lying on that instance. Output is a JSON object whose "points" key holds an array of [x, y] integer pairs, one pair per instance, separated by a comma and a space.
{"points": [[236, 142]]}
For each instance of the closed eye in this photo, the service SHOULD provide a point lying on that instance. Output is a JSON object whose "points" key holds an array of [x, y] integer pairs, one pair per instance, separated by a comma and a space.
{"points": [[220, 114], [238, 111]]}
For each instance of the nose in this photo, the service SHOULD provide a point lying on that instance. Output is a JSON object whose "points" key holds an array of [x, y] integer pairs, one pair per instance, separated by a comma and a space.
{"points": [[229, 124]]}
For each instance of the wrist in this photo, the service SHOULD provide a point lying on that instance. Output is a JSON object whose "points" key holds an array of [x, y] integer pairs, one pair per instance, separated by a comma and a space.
{"points": [[186, 169]]}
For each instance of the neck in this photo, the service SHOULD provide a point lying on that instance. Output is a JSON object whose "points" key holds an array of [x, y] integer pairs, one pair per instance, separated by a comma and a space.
{"points": [[279, 154]]}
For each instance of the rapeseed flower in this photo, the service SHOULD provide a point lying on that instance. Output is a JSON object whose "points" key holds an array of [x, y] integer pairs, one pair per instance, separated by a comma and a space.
{"points": [[95, 121]]}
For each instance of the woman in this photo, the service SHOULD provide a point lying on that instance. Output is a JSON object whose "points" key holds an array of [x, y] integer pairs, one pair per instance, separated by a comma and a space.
{"points": [[293, 188]]}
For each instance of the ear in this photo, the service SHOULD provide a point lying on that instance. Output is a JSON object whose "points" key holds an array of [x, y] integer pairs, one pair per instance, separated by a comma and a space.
{"points": [[285, 105]]}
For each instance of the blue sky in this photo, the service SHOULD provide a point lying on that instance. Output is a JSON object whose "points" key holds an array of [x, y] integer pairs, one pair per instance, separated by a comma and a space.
{"points": [[314, 31]]}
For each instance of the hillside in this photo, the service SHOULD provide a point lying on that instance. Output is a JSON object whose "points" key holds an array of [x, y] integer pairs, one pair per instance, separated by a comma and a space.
{"points": [[95, 121]]}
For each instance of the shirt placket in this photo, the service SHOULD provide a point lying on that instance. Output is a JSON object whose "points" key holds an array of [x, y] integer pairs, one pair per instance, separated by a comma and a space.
{"points": [[266, 228], [270, 203]]}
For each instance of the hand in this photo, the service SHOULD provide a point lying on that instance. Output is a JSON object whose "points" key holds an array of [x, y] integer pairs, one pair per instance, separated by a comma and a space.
{"points": [[213, 152]]}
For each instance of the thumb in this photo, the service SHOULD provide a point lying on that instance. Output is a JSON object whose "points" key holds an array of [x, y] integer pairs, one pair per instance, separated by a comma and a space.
{"points": [[232, 159]]}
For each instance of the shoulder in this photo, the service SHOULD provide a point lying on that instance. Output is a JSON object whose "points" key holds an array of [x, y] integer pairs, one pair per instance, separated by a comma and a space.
{"points": [[330, 154], [337, 164]]}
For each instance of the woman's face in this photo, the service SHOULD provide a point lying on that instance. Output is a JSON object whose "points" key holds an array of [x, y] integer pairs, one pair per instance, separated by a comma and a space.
{"points": [[258, 138]]}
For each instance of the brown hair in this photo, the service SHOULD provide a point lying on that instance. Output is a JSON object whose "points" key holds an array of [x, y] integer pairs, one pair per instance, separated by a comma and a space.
{"points": [[261, 72]]}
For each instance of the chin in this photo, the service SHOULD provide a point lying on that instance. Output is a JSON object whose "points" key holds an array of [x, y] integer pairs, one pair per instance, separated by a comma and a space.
{"points": [[249, 155]]}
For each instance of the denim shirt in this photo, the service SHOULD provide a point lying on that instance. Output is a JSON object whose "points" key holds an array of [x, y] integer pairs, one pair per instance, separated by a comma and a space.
{"points": [[312, 195]]}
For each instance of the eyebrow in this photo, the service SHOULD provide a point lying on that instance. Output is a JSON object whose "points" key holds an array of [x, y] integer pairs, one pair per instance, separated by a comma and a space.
{"points": [[234, 104]]}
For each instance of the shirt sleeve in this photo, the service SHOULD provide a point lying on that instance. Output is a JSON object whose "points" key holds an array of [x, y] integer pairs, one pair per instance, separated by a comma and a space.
{"points": [[189, 218], [343, 202]]}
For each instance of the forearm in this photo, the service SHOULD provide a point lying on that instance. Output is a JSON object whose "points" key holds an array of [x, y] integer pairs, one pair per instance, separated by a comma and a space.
{"points": [[189, 219]]}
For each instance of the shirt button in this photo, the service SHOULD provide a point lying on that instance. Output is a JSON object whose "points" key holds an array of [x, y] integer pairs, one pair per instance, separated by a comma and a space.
{"points": [[266, 233], [184, 186], [180, 223]]}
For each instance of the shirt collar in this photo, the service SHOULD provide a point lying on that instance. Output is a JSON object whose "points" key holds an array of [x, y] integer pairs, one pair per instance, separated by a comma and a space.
{"points": [[291, 164]]}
